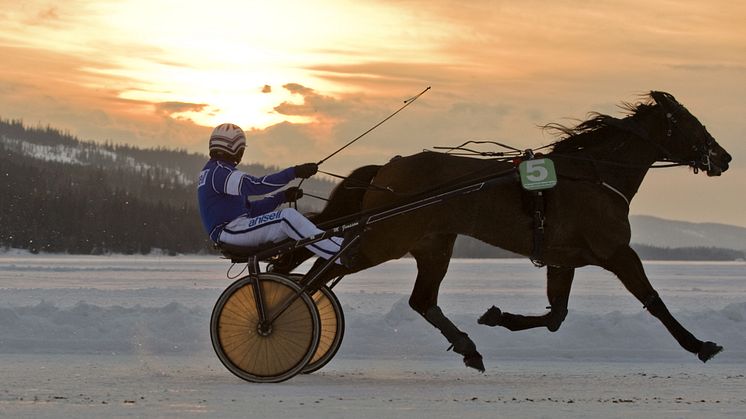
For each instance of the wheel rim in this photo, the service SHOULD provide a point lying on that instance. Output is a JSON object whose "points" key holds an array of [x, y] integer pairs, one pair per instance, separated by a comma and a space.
{"points": [[328, 318], [331, 329], [287, 345]]}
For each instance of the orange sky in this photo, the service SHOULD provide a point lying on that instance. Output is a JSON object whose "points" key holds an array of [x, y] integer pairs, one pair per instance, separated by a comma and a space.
{"points": [[305, 77]]}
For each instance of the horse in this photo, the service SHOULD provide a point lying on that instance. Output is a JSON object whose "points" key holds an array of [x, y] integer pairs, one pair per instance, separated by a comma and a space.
{"points": [[600, 165]]}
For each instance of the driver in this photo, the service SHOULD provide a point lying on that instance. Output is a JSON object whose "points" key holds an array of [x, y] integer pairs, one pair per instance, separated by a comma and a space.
{"points": [[230, 217]]}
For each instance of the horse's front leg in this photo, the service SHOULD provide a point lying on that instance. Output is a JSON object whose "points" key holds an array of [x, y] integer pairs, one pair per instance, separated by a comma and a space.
{"points": [[559, 282], [433, 256], [627, 266]]}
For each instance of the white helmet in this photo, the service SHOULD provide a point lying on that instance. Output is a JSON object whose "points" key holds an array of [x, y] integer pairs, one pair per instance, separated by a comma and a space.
{"points": [[227, 138]]}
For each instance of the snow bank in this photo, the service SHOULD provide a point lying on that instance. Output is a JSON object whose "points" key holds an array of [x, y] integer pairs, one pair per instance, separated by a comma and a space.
{"points": [[398, 333], [612, 336], [12, 251], [86, 328]]}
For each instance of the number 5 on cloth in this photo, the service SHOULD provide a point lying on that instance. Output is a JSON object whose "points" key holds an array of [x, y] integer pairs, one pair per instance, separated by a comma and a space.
{"points": [[537, 174]]}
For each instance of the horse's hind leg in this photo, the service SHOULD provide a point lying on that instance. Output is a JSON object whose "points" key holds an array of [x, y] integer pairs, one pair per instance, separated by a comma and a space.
{"points": [[627, 266], [433, 255], [559, 282]]}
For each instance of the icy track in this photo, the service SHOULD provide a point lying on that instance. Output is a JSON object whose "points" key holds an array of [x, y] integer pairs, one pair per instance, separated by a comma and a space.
{"points": [[128, 336]]}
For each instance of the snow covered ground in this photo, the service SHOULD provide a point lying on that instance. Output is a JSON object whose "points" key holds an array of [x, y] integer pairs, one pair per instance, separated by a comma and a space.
{"points": [[114, 336]]}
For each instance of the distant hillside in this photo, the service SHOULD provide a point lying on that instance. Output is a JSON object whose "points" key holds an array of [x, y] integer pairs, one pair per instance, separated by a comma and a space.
{"points": [[654, 231], [47, 144], [687, 253], [654, 239], [467, 247]]}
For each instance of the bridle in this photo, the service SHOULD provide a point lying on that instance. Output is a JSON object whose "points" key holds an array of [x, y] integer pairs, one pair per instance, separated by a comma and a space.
{"points": [[702, 161], [703, 150]]}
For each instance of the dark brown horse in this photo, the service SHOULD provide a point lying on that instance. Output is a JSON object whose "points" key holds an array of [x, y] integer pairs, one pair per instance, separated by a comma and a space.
{"points": [[600, 165]]}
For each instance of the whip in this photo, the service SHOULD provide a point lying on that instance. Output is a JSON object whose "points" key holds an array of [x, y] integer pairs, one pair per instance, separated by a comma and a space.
{"points": [[349, 143], [406, 103]]}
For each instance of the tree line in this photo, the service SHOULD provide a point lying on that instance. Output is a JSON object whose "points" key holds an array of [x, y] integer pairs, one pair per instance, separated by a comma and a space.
{"points": [[687, 253], [467, 247], [57, 207], [112, 199]]}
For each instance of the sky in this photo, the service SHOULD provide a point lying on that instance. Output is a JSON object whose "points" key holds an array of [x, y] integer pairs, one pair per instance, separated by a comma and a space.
{"points": [[303, 78]]}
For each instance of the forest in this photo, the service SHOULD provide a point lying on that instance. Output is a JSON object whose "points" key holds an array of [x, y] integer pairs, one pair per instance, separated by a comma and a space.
{"points": [[60, 207], [60, 194]]}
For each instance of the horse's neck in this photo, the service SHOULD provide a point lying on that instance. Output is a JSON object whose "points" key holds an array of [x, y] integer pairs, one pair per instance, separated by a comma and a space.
{"points": [[625, 157]]}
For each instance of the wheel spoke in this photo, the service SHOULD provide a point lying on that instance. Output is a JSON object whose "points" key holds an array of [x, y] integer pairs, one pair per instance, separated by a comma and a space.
{"points": [[332, 329], [290, 341]]}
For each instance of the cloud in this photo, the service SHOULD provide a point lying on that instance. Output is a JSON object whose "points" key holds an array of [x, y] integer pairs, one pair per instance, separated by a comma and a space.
{"points": [[388, 76], [168, 108], [712, 67], [313, 105], [45, 16], [23, 21], [60, 90]]}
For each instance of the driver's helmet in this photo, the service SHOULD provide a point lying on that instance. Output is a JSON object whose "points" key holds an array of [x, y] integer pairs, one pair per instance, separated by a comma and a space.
{"points": [[227, 139]]}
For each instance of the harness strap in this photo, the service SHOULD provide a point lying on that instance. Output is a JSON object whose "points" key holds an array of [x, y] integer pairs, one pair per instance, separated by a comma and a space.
{"points": [[538, 229], [617, 191]]}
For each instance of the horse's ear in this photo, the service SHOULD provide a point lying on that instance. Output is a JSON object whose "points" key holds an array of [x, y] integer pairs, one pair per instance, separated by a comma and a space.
{"points": [[664, 99]]}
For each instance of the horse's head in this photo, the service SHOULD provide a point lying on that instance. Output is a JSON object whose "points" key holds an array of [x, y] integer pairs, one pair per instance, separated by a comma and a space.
{"points": [[688, 140]]}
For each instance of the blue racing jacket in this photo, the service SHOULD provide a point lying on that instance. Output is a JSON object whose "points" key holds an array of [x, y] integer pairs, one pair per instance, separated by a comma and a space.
{"points": [[223, 193]]}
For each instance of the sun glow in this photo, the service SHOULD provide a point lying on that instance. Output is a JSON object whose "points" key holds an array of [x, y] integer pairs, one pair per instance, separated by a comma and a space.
{"points": [[226, 61], [230, 59], [247, 98]]}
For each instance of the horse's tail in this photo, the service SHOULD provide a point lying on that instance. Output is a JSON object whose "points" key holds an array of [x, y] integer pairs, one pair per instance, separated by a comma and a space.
{"points": [[347, 197]]}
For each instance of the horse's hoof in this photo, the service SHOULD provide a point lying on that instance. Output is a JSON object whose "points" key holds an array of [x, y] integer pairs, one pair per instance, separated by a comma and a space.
{"points": [[491, 317], [708, 350], [468, 349], [474, 361]]}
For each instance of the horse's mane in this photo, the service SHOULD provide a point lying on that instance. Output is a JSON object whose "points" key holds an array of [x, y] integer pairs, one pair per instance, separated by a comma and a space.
{"points": [[593, 130]]}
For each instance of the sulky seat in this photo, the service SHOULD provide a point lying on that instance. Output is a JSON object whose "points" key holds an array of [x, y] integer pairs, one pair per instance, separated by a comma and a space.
{"points": [[242, 254]]}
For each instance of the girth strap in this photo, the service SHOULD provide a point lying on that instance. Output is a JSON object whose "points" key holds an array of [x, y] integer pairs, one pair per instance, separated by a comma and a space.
{"points": [[538, 228]]}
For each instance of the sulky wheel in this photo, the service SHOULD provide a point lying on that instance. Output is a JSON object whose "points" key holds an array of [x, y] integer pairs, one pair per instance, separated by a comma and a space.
{"points": [[267, 354], [332, 329]]}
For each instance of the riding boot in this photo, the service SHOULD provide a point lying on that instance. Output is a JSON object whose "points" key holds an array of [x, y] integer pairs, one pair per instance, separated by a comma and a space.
{"points": [[351, 255]]}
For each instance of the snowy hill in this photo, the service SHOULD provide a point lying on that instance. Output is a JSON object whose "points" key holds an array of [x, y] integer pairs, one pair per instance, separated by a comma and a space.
{"points": [[92, 154], [660, 232], [47, 144]]}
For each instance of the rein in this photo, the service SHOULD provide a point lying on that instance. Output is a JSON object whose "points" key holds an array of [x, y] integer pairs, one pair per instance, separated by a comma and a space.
{"points": [[664, 163], [372, 187], [616, 191], [668, 160], [514, 153], [363, 185], [463, 151]]}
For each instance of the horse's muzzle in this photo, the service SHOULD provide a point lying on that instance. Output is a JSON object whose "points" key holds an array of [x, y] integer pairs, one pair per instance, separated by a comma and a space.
{"points": [[715, 171], [716, 163]]}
